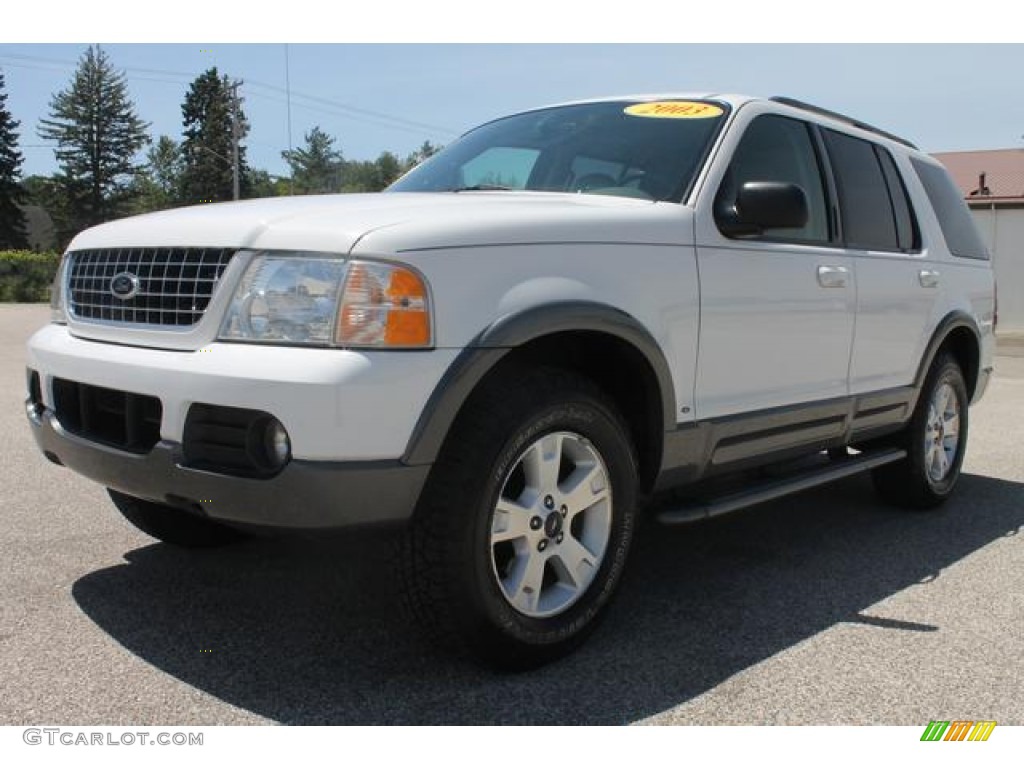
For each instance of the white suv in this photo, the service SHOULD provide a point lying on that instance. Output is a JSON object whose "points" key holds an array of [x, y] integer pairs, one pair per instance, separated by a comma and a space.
{"points": [[522, 341]]}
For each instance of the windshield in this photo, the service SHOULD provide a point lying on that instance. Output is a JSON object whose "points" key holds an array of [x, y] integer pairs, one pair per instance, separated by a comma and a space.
{"points": [[647, 150]]}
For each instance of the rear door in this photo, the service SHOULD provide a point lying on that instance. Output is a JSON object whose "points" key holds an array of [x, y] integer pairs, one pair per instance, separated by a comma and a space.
{"points": [[897, 286]]}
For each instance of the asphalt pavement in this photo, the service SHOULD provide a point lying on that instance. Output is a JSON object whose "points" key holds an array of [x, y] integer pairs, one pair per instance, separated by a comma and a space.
{"points": [[822, 608]]}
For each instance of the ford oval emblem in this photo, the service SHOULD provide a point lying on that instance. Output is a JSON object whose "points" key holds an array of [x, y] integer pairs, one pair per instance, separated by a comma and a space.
{"points": [[124, 285]]}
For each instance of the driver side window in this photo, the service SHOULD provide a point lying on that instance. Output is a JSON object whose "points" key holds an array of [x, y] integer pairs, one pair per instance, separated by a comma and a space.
{"points": [[779, 149]]}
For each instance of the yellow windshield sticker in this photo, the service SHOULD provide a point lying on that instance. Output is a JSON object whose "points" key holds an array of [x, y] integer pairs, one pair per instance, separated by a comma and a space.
{"points": [[674, 109]]}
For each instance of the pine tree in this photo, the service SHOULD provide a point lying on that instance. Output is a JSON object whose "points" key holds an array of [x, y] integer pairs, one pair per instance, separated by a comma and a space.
{"points": [[207, 145], [98, 136], [425, 151], [316, 168], [12, 219]]}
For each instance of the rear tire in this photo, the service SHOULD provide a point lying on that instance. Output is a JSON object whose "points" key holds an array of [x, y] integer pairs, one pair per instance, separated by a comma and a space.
{"points": [[935, 441], [522, 533], [171, 525]]}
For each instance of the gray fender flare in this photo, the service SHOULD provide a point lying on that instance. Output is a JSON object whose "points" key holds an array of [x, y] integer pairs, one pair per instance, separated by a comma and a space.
{"points": [[517, 329]]}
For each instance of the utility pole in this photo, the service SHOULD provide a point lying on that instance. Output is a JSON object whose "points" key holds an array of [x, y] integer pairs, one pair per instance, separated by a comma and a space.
{"points": [[235, 130], [288, 99]]}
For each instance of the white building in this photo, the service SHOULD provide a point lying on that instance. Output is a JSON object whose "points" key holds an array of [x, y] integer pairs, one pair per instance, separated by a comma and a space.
{"points": [[992, 182]]}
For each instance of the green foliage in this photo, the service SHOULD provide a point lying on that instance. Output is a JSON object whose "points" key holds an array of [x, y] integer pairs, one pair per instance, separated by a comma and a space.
{"points": [[26, 275], [426, 150], [316, 168], [371, 175], [158, 185], [207, 147], [12, 220], [262, 184], [46, 191], [98, 136]]}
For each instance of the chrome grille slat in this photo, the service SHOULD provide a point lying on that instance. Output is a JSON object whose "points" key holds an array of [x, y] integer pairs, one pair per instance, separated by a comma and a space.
{"points": [[175, 284]]}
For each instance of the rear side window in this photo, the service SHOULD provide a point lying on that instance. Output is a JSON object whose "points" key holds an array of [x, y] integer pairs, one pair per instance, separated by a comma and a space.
{"points": [[874, 205], [962, 238], [907, 234]]}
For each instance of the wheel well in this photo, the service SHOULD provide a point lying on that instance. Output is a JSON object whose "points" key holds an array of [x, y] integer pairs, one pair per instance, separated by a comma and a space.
{"points": [[615, 366], [963, 345]]}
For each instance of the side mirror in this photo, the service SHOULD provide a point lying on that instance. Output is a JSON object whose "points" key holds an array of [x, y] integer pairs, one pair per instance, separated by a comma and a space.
{"points": [[762, 205]]}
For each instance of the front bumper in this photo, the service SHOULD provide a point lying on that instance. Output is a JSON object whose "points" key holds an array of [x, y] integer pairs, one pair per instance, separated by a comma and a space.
{"points": [[337, 404], [349, 416], [304, 495]]}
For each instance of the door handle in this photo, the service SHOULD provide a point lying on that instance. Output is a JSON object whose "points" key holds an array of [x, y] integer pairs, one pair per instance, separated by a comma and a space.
{"points": [[929, 278], [832, 277]]}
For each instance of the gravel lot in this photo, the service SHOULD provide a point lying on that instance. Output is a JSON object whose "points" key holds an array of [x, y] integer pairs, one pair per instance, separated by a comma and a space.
{"points": [[824, 608]]}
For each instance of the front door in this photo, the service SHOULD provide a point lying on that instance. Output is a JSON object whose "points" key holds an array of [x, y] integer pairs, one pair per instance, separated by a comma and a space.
{"points": [[776, 307]]}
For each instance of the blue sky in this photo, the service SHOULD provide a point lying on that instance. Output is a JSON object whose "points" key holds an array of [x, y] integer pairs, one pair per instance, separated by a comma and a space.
{"points": [[376, 97]]}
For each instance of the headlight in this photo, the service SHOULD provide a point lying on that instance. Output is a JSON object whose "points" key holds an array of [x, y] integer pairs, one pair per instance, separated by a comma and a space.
{"points": [[57, 313], [285, 298], [299, 299]]}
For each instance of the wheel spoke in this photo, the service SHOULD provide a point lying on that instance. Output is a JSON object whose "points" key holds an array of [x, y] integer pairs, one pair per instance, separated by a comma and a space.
{"points": [[586, 491], [511, 521], [541, 463], [943, 397], [932, 461], [578, 563], [528, 580], [951, 425], [942, 461]]}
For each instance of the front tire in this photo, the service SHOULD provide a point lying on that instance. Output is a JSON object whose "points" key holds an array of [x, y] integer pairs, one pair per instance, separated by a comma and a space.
{"points": [[171, 525], [522, 534], [935, 441]]}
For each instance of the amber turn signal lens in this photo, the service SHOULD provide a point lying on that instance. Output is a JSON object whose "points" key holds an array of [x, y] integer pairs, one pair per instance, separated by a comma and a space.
{"points": [[383, 305]]}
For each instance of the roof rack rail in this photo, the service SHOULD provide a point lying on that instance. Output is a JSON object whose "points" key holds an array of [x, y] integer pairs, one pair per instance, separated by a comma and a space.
{"points": [[841, 117]]}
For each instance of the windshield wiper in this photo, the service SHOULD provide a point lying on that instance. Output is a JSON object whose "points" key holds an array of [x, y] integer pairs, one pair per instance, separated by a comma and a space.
{"points": [[481, 188]]}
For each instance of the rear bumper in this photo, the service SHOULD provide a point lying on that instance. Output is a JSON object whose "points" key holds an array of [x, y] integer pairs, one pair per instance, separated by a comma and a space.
{"points": [[304, 495]]}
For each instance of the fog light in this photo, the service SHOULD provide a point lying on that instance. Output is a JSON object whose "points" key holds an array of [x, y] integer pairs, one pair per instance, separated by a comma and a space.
{"points": [[276, 444]]}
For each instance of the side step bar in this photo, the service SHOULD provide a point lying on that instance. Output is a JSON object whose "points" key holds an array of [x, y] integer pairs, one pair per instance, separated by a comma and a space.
{"points": [[774, 489]]}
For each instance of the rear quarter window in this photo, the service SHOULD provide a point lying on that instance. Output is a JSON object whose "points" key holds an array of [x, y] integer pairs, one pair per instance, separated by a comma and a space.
{"points": [[954, 217]]}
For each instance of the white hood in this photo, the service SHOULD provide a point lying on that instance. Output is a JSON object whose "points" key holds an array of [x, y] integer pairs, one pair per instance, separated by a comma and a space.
{"points": [[395, 221]]}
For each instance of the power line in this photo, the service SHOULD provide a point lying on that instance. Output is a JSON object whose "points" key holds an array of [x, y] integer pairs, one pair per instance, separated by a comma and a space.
{"points": [[341, 109], [298, 101]]}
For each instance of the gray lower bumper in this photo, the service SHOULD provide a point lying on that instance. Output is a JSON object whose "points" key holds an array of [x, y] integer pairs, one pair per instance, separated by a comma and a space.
{"points": [[304, 495]]}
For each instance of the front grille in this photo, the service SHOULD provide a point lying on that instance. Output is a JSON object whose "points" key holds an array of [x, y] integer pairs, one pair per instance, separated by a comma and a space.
{"points": [[165, 286], [123, 420]]}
